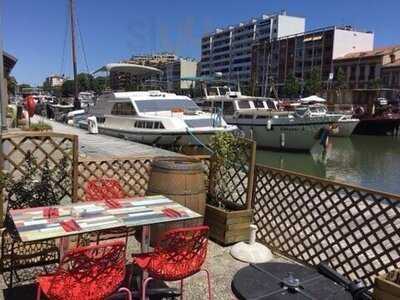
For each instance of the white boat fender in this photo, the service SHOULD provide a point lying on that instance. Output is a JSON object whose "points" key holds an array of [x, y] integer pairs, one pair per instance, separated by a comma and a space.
{"points": [[283, 140], [269, 124], [92, 125]]}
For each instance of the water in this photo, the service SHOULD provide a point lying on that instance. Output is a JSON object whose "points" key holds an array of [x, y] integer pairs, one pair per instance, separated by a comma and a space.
{"points": [[368, 161]]}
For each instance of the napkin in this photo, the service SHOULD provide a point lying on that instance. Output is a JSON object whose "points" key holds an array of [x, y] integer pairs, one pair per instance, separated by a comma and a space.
{"points": [[50, 212], [113, 203], [70, 225], [171, 213]]}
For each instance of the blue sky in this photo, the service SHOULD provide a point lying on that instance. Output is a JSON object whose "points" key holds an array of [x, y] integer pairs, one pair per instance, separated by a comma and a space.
{"points": [[113, 30]]}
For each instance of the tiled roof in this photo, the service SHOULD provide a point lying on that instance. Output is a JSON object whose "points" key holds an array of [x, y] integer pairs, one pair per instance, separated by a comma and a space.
{"points": [[375, 52]]}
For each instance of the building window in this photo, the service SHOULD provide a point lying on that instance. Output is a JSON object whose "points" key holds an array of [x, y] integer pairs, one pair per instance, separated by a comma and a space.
{"points": [[371, 75], [361, 76], [123, 109]]}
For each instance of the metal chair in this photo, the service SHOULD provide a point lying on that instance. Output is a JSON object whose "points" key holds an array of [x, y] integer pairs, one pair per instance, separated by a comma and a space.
{"points": [[91, 273], [179, 254], [106, 189]]}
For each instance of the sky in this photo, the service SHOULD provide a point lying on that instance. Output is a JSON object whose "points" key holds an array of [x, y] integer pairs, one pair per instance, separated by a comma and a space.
{"points": [[35, 30]]}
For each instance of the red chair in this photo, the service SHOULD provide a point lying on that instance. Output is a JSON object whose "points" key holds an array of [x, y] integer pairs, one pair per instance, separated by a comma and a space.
{"points": [[103, 189], [106, 189], [180, 253], [90, 273]]}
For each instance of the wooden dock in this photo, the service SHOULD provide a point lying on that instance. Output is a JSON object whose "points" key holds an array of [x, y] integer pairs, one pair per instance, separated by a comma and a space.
{"points": [[98, 145]]}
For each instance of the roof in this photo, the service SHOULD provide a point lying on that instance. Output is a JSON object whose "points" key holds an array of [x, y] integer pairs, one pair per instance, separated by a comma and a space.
{"points": [[395, 64], [9, 62], [138, 70], [313, 98], [376, 52]]}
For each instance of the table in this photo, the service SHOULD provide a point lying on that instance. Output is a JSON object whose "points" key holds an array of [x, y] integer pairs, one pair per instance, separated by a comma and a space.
{"points": [[276, 280], [32, 225]]}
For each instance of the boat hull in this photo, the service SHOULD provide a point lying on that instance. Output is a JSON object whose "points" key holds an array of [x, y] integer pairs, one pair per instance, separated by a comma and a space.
{"points": [[345, 128], [166, 138], [301, 137], [378, 126]]}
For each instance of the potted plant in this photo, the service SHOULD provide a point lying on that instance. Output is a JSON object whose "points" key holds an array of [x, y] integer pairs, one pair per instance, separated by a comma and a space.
{"points": [[228, 210], [40, 126]]}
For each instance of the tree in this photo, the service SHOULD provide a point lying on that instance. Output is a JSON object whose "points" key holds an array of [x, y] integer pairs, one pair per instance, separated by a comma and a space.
{"points": [[313, 84], [11, 85], [340, 80], [67, 88], [292, 87], [99, 84]]}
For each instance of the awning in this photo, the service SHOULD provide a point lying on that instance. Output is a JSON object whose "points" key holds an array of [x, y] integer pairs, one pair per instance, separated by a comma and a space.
{"points": [[9, 62], [313, 98], [138, 70]]}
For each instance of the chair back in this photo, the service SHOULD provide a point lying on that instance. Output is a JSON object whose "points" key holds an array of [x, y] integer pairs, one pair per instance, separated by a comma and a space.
{"points": [[179, 253], [103, 189], [91, 273]]}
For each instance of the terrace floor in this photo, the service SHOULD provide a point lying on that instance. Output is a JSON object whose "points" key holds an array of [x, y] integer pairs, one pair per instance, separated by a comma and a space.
{"points": [[220, 263]]}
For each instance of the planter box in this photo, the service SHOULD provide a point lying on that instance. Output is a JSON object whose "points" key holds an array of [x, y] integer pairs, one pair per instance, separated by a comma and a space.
{"points": [[387, 287], [228, 227]]}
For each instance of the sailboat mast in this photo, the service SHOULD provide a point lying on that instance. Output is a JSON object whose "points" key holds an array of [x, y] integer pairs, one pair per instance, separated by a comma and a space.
{"points": [[77, 104]]}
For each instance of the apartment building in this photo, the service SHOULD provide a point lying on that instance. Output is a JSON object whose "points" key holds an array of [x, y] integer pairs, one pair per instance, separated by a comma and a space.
{"points": [[299, 54], [391, 75], [371, 69], [173, 69], [174, 72], [55, 80], [229, 50]]}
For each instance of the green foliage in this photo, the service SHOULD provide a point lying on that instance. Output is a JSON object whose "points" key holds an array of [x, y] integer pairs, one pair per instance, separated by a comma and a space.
{"points": [[11, 85], [340, 80], [313, 83], [39, 185], [86, 82], [3, 179], [40, 126], [228, 156], [24, 85], [292, 87], [67, 89]]}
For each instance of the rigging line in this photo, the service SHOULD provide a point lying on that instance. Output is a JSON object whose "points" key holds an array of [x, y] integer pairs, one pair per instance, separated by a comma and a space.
{"points": [[83, 45], [65, 42]]}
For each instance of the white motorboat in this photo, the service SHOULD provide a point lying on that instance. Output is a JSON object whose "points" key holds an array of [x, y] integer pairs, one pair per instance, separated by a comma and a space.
{"points": [[260, 119], [155, 118], [344, 125]]}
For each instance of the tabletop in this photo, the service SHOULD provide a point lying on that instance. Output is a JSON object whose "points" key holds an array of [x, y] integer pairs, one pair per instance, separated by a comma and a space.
{"points": [[275, 280], [40, 223]]}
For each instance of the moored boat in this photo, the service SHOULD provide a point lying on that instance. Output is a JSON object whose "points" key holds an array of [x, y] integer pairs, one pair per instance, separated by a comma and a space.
{"points": [[155, 118]]}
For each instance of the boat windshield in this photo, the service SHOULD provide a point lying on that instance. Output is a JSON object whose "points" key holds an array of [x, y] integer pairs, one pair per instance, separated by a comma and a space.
{"points": [[165, 105]]}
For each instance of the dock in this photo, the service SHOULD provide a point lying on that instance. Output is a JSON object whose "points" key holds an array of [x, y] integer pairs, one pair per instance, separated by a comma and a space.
{"points": [[99, 145]]}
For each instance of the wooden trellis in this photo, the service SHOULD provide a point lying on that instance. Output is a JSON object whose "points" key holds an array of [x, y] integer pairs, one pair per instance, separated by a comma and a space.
{"points": [[51, 150], [132, 173], [312, 220], [235, 182]]}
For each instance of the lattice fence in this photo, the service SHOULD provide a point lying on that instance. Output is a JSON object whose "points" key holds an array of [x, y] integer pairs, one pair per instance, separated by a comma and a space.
{"points": [[313, 220], [234, 182], [53, 149], [132, 173]]}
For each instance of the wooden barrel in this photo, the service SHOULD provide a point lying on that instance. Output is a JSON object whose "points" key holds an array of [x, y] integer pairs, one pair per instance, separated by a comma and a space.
{"points": [[181, 179]]}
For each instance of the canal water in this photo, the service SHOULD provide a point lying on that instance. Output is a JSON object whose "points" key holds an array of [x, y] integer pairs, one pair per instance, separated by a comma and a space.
{"points": [[368, 161]]}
